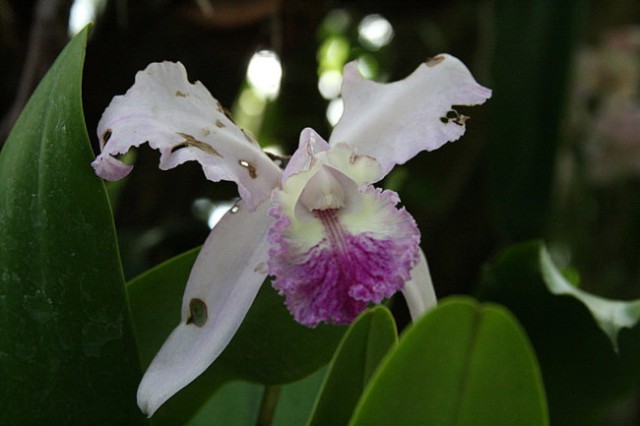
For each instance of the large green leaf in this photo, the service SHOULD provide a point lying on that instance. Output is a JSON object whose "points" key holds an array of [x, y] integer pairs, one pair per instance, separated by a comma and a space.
{"points": [[269, 348], [581, 370], [361, 350], [461, 364], [67, 351]]}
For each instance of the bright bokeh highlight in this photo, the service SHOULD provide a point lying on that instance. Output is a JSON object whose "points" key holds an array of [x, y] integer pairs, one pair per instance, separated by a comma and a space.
{"points": [[375, 31], [329, 84], [83, 12], [264, 73]]}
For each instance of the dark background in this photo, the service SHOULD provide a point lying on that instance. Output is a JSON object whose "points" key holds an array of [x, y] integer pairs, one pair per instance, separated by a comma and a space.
{"points": [[505, 181]]}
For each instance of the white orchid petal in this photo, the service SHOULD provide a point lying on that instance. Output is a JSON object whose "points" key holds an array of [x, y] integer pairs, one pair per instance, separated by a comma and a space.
{"points": [[309, 145], [184, 122], [394, 122], [221, 288], [360, 168], [418, 291], [301, 168], [111, 169]]}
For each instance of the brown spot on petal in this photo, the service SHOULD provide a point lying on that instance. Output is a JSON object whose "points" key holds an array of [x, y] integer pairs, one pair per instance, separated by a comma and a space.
{"points": [[106, 136], [248, 136], [461, 119], [250, 168], [219, 123], [227, 114], [223, 110], [432, 62], [455, 117], [190, 141], [197, 313], [181, 94], [206, 132], [261, 268]]}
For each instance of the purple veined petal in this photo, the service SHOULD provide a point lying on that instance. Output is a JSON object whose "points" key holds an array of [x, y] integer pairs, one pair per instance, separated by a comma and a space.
{"points": [[221, 288], [418, 291], [393, 122], [184, 122]]}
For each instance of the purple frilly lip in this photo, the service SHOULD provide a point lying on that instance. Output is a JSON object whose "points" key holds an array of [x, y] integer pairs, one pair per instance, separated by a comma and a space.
{"points": [[337, 278]]}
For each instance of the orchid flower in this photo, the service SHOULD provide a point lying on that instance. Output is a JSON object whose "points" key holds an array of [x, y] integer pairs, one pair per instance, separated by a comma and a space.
{"points": [[332, 241]]}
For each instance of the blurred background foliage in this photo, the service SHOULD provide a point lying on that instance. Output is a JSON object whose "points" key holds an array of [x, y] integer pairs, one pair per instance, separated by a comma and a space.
{"points": [[555, 154]]}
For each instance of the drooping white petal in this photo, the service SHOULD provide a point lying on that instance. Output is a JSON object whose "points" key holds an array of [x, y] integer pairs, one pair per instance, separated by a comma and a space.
{"points": [[221, 288], [394, 122], [418, 291], [184, 122]]}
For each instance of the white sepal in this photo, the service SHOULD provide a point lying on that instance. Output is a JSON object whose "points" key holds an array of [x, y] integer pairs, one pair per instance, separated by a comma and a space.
{"points": [[221, 288], [418, 291]]}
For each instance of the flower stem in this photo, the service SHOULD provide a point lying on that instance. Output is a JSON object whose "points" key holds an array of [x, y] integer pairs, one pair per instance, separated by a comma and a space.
{"points": [[268, 405]]}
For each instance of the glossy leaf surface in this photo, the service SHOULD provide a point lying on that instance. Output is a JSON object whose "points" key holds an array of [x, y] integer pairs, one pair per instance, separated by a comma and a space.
{"points": [[359, 354], [463, 363], [67, 351]]}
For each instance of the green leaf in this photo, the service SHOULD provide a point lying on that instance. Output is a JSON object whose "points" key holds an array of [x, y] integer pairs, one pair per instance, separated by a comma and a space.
{"points": [[155, 298], [235, 404], [461, 364], [581, 370], [238, 403], [360, 351], [67, 351], [297, 399], [534, 47], [269, 348], [610, 315]]}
